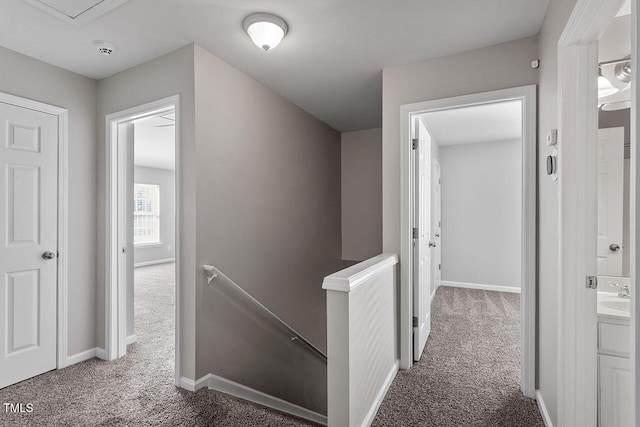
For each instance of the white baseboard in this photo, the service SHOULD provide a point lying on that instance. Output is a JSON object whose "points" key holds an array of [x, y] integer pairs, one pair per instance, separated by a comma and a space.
{"points": [[131, 339], [373, 410], [433, 294], [158, 261], [543, 409], [191, 385], [226, 386], [82, 356], [513, 289], [101, 353]]}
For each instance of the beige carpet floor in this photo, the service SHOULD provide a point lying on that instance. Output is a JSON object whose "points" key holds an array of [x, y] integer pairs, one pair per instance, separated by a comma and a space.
{"points": [[138, 389], [469, 373]]}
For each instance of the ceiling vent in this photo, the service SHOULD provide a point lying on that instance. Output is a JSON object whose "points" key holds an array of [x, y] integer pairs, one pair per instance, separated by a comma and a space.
{"points": [[77, 12]]}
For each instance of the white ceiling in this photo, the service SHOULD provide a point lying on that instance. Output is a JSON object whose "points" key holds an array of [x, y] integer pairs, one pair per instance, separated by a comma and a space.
{"points": [[154, 142], [484, 123], [329, 64]]}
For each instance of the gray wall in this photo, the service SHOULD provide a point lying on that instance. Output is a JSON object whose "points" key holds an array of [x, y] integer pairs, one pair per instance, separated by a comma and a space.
{"points": [[496, 67], [29, 78], [481, 213], [268, 216], [361, 194], [165, 76], [165, 178], [548, 207]]}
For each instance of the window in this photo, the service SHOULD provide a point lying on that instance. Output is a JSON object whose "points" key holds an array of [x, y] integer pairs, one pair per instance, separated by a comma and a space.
{"points": [[146, 214]]}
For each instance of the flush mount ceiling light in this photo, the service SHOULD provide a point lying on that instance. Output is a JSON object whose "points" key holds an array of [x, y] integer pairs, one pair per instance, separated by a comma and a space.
{"points": [[266, 30]]}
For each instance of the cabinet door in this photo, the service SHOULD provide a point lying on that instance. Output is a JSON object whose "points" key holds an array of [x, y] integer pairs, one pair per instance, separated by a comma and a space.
{"points": [[613, 391]]}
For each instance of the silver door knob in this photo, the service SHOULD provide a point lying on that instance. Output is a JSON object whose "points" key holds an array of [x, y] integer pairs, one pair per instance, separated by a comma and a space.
{"points": [[432, 244], [614, 248], [48, 255]]}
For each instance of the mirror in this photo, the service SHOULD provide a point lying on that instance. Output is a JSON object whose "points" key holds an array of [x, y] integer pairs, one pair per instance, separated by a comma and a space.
{"points": [[613, 156]]}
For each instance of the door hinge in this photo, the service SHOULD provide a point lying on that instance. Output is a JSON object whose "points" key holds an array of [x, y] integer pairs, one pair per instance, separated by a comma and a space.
{"points": [[592, 282], [415, 322], [414, 233], [439, 266], [414, 143]]}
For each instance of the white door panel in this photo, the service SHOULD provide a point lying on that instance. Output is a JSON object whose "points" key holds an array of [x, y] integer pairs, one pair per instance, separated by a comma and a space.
{"points": [[28, 228], [437, 225], [421, 248], [610, 200]]}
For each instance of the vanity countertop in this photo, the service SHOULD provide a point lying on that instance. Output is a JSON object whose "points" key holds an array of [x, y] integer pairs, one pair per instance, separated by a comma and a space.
{"points": [[610, 305]]}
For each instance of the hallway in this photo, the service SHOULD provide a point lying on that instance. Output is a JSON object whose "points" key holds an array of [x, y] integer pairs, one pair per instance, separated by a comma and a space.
{"points": [[138, 389], [469, 372]]}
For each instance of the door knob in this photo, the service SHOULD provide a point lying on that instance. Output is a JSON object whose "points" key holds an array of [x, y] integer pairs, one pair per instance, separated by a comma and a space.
{"points": [[432, 244], [48, 255], [614, 248]]}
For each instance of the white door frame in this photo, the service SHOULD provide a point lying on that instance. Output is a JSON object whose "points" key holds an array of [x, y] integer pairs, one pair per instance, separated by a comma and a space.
{"points": [[63, 214], [115, 280], [577, 171], [526, 94]]}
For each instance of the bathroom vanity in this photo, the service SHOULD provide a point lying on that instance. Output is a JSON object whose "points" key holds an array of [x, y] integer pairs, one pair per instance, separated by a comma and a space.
{"points": [[614, 377]]}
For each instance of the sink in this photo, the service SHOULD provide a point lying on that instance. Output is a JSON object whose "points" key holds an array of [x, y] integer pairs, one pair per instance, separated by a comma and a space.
{"points": [[621, 304], [611, 304]]}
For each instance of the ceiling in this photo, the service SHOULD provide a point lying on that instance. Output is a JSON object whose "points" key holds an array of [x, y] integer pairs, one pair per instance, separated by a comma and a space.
{"points": [[330, 64], [484, 123], [154, 141]]}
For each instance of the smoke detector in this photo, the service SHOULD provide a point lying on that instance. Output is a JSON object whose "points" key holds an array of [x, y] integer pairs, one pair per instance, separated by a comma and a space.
{"points": [[104, 47]]}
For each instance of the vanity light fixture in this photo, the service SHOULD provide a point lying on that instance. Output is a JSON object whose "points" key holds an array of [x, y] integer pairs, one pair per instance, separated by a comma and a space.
{"points": [[605, 88], [266, 30]]}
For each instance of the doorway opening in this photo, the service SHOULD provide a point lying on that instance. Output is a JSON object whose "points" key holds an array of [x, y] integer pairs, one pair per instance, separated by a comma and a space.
{"points": [[592, 244], [472, 171], [142, 282]]}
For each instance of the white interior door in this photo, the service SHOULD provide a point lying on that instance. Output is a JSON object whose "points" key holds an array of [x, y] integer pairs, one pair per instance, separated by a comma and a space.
{"points": [[437, 225], [610, 200], [28, 242], [421, 243]]}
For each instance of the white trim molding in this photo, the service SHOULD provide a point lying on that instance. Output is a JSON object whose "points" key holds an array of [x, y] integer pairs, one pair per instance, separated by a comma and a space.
{"points": [[191, 385], [543, 410], [82, 356], [132, 339], [348, 279], [155, 262], [223, 385], [493, 288], [116, 264], [408, 113], [577, 179], [101, 353], [63, 214]]}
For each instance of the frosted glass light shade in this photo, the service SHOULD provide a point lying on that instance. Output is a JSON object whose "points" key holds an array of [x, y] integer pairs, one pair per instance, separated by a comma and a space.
{"points": [[605, 88], [265, 30]]}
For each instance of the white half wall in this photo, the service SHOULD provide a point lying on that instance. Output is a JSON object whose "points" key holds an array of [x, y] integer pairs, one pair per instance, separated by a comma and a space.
{"points": [[481, 213]]}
